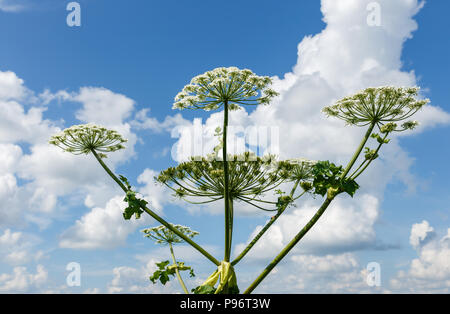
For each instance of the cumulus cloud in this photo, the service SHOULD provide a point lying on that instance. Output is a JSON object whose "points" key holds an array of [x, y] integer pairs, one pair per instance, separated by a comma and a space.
{"points": [[348, 225], [430, 271], [16, 248], [19, 125], [102, 106], [305, 273], [11, 86], [156, 194], [143, 122], [20, 280], [421, 233], [103, 228]]}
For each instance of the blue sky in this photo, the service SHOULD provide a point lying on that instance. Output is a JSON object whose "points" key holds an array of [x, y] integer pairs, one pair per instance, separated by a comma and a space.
{"points": [[122, 68]]}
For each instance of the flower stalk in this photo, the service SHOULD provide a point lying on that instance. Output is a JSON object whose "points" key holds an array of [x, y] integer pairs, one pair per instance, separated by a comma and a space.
{"points": [[180, 280], [227, 200]]}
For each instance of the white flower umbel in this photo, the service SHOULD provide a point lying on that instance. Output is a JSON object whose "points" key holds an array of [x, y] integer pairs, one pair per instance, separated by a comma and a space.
{"points": [[85, 138], [381, 106], [231, 85], [162, 234]]}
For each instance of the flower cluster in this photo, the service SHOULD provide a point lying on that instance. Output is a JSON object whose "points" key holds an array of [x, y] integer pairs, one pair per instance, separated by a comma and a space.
{"points": [[250, 177], [301, 169], [84, 138], [230, 85], [163, 235], [382, 106]]}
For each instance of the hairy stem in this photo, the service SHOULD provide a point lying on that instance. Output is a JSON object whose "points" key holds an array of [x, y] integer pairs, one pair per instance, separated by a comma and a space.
{"points": [[180, 280], [228, 213], [158, 218]]}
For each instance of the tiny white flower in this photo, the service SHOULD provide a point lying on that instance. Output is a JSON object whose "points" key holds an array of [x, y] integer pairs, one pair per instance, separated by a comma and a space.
{"points": [[85, 138], [211, 90]]}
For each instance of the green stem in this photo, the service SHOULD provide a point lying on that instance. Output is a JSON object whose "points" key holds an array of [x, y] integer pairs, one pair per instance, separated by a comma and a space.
{"points": [[230, 237], [228, 214], [359, 167], [111, 174], [290, 245], [156, 217], [177, 271], [358, 151], [354, 176], [263, 230]]}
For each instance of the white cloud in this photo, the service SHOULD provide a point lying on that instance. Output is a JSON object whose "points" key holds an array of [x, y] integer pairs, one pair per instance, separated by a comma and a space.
{"points": [[421, 234], [103, 106], [22, 281], [18, 125], [11, 86], [430, 271], [304, 273], [17, 248], [12, 5], [156, 194], [10, 208], [143, 121], [9, 156], [103, 228], [347, 225]]}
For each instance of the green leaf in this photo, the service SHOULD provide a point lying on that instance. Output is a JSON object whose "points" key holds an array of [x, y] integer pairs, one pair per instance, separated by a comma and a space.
{"points": [[350, 187], [164, 277], [165, 271], [205, 289], [327, 177], [134, 205], [155, 276], [125, 180], [162, 265]]}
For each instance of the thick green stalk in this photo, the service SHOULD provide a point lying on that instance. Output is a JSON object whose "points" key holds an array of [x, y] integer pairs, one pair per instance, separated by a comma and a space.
{"points": [[358, 151], [263, 230], [177, 271], [155, 216], [290, 245], [228, 214], [231, 207]]}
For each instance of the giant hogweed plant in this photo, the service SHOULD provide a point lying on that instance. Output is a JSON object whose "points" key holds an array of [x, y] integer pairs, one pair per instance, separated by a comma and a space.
{"points": [[247, 178]]}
